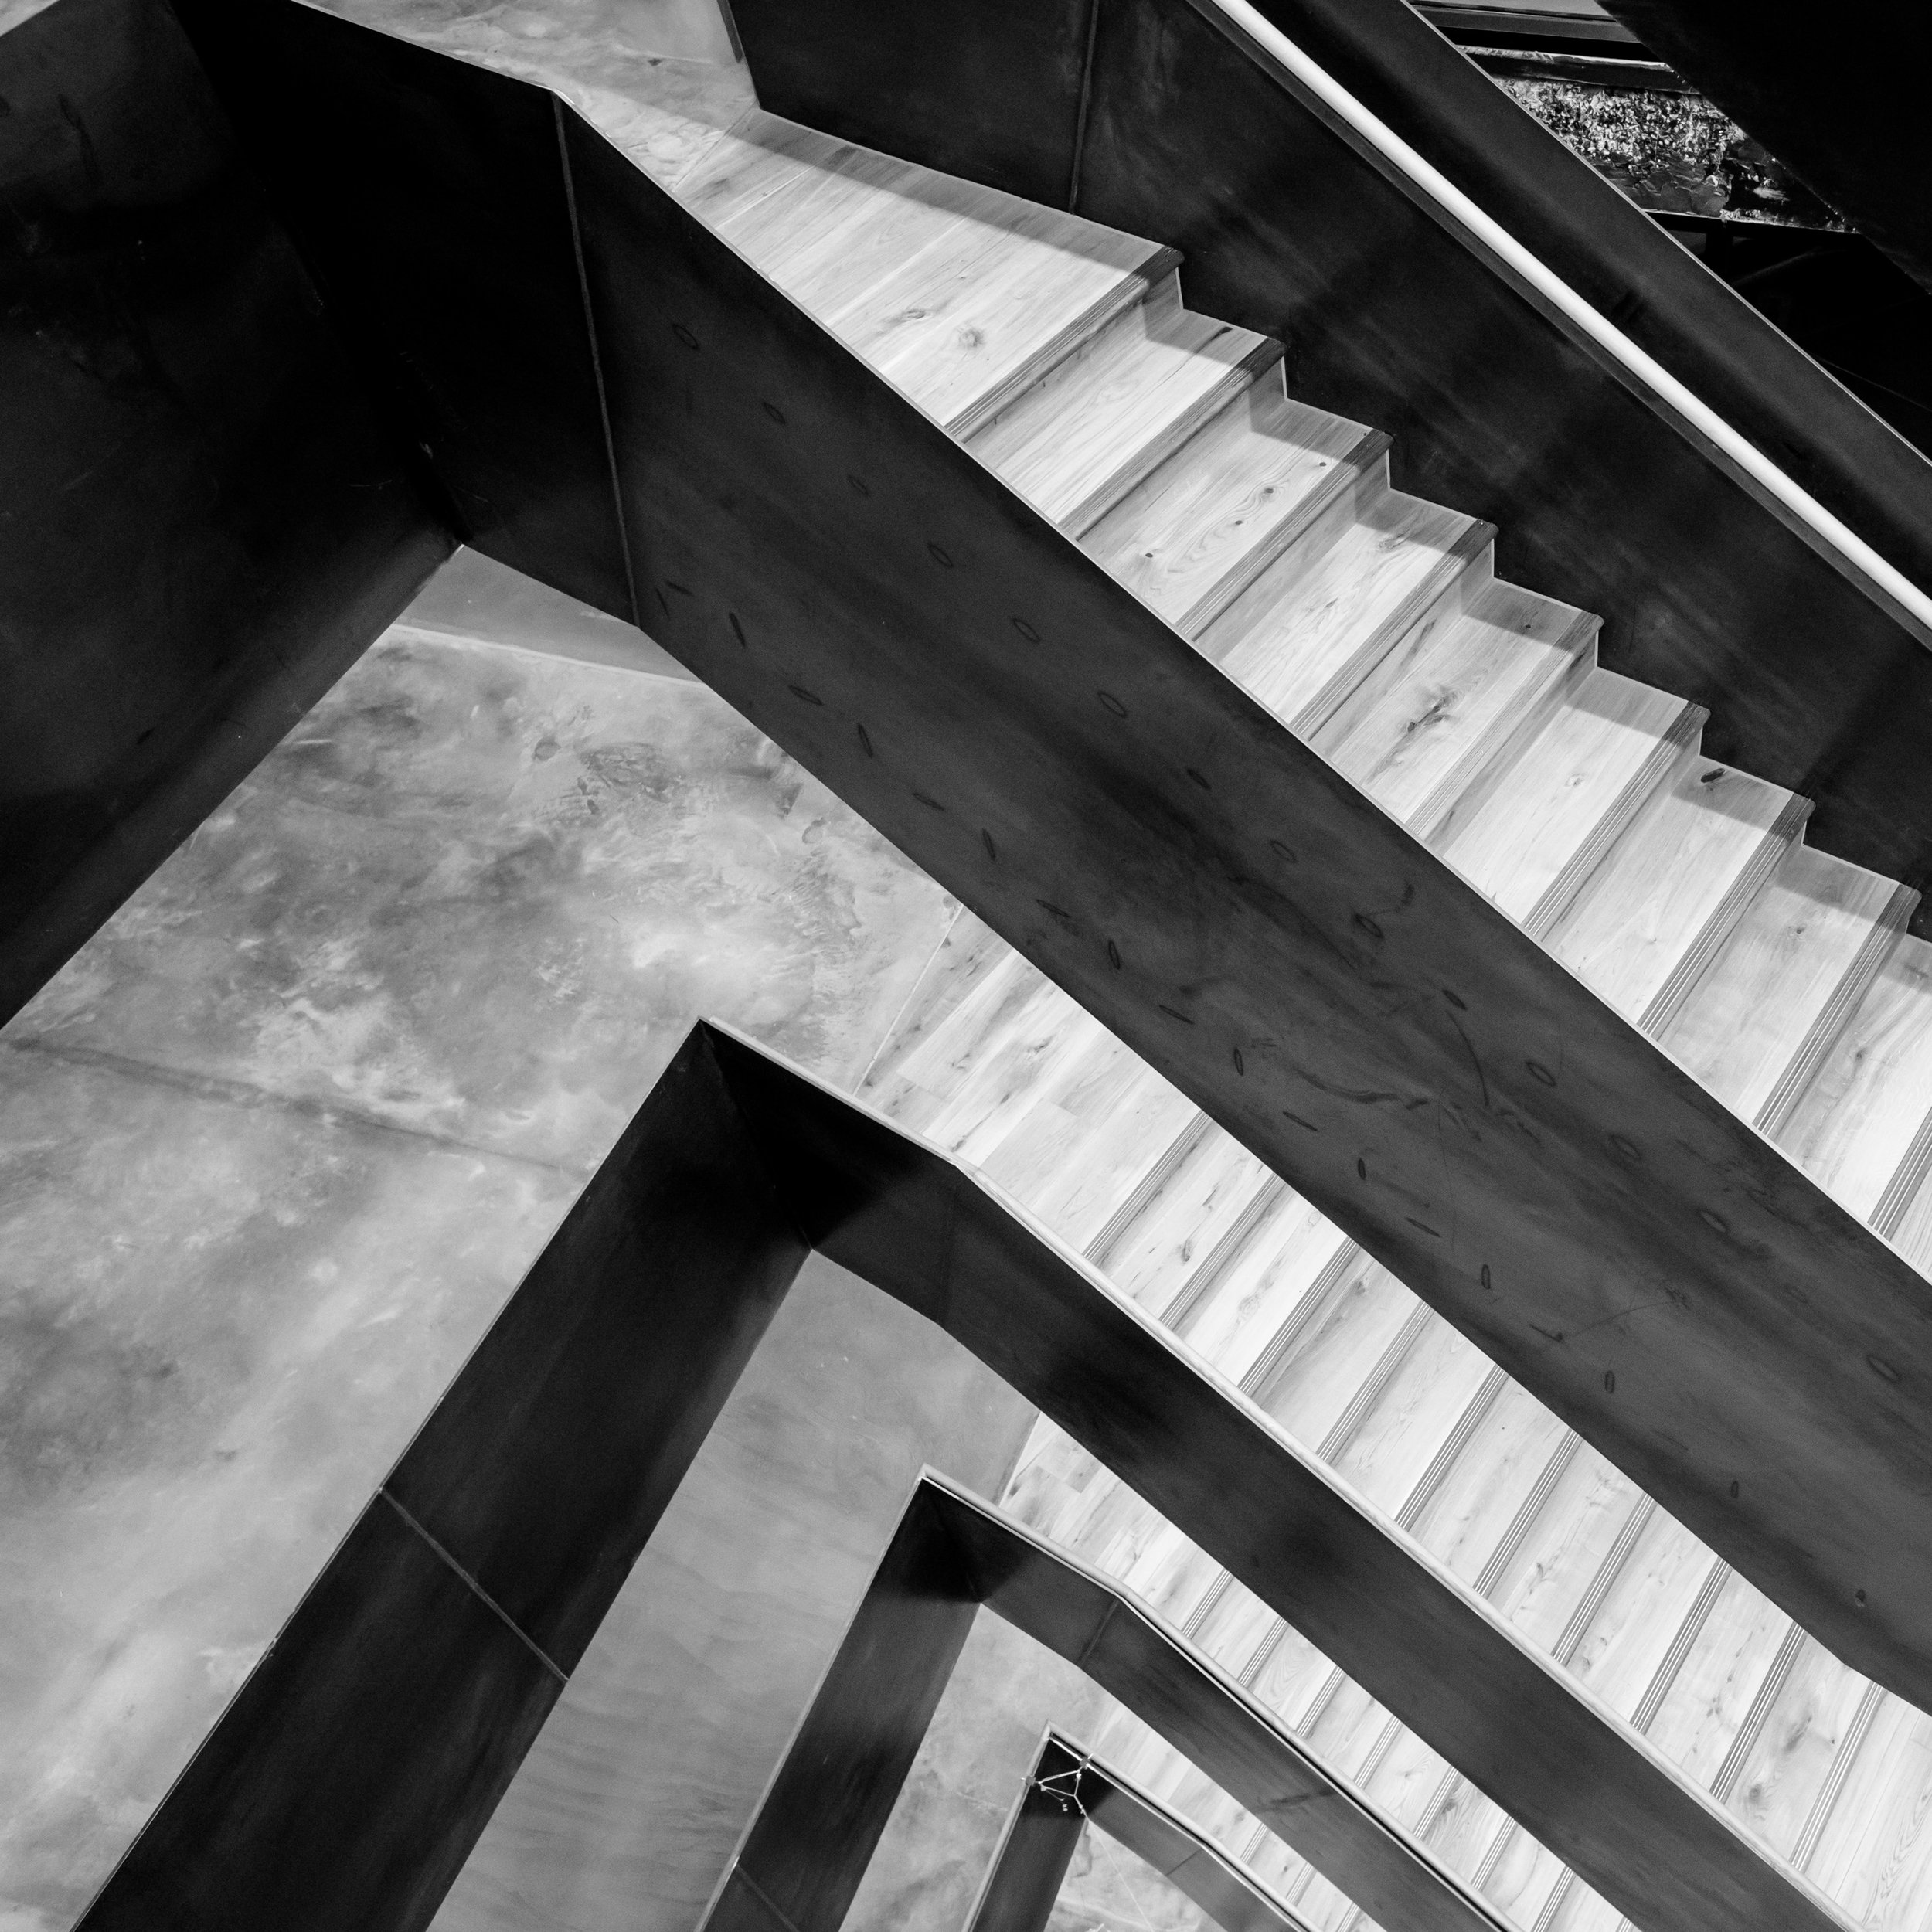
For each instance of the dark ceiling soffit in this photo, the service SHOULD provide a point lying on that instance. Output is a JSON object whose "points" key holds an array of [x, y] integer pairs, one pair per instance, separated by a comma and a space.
{"points": [[1069, 1787], [844, 574], [805, 1851], [1616, 368], [346, 1783], [1390, 317], [1619, 260], [1845, 107]]}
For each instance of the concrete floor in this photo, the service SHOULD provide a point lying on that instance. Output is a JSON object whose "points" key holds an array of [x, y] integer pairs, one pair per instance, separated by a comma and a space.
{"points": [[276, 1145]]}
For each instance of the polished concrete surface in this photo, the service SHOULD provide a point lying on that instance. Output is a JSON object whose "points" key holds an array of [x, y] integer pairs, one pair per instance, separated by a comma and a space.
{"points": [[276, 1145]]}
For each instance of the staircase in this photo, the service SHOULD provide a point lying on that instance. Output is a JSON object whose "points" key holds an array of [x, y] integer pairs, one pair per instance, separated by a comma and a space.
{"points": [[1474, 711]]}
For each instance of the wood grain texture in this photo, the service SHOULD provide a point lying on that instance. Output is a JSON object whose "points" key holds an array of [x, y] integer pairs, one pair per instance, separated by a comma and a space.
{"points": [[1313, 626], [1118, 406], [1191, 538], [1860, 1121], [1570, 796], [1756, 1027], [1647, 923], [1442, 718], [961, 295]]}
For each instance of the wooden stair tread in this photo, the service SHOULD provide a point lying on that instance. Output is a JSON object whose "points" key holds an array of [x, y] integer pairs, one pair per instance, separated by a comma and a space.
{"points": [[1299, 1258], [1456, 701], [1650, 918], [1782, 1771], [1570, 795], [1190, 537], [1119, 406], [960, 294], [976, 318], [1861, 1125], [762, 154], [1640, 1614], [1311, 1389], [1874, 1852], [1136, 1117], [1314, 624], [1412, 1416], [1756, 1028], [1207, 1203]]}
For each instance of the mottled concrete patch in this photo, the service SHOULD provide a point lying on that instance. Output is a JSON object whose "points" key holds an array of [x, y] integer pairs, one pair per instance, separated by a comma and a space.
{"points": [[276, 1145], [221, 1319], [482, 894]]}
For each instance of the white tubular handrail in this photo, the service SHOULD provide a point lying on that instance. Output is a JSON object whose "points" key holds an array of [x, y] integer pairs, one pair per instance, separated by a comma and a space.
{"points": [[1855, 557]]}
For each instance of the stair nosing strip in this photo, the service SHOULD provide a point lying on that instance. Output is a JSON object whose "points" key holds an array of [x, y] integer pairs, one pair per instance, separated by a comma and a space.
{"points": [[1415, 608], [1375, 1385], [1385, 1743], [1474, 1412], [1836, 1778], [1238, 377], [1210, 1599], [1267, 1366], [1604, 1581], [1907, 1178], [1832, 1019], [1681, 1645], [1559, 1896], [1513, 1538], [1723, 918], [1348, 469], [1172, 1158], [1783, 1661], [1133, 288], [1221, 1256], [1674, 744], [1483, 759]]}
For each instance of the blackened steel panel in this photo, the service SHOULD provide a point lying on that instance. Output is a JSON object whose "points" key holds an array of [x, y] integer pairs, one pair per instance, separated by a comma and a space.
{"points": [[844, 575], [1161, 1836], [346, 1784], [546, 1468], [1029, 1866], [828, 1803], [429, 199], [202, 522], [1003, 106]]}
